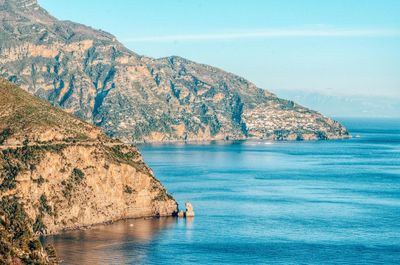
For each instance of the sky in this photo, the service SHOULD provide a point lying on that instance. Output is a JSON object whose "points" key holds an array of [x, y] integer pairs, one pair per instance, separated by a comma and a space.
{"points": [[340, 48]]}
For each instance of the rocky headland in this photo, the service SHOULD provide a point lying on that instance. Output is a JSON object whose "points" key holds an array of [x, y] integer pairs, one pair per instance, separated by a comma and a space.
{"points": [[90, 74], [58, 173]]}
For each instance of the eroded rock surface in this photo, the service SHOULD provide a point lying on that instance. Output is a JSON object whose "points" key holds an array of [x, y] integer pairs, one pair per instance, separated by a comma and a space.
{"points": [[189, 210], [89, 73], [58, 173]]}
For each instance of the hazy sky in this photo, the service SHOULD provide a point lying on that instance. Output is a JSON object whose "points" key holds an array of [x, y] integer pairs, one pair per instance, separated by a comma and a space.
{"points": [[336, 47]]}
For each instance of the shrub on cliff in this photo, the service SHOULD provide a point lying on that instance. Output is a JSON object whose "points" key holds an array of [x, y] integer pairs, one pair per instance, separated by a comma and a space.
{"points": [[18, 244]]}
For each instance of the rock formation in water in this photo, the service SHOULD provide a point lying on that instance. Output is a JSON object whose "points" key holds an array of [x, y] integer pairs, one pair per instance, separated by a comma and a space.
{"points": [[189, 210], [58, 172], [89, 73], [181, 214]]}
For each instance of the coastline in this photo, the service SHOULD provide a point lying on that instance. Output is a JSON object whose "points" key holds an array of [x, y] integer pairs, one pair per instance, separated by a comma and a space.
{"points": [[93, 226], [209, 141]]}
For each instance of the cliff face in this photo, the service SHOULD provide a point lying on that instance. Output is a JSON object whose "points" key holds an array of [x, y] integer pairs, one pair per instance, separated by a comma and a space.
{"points": [[63, 173], [90, 74], [74, 185]]}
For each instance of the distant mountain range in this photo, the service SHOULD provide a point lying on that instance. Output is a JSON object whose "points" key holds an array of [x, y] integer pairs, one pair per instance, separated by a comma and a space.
{"points": [[89, 73], [347, 105]]}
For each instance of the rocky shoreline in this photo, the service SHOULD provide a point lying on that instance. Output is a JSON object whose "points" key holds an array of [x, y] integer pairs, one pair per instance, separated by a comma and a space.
{"points": [[62, 173], [90, 74]]}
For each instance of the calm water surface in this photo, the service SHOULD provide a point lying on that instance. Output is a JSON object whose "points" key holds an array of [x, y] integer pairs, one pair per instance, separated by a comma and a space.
{"points": [[327, 202]]}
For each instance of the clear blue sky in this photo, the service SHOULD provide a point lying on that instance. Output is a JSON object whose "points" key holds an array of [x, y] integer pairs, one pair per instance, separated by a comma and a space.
{"points": [[349, 47]]}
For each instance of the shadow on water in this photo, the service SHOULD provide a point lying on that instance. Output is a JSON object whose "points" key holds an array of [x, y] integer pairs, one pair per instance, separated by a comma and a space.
{"points": [[123, 242]]}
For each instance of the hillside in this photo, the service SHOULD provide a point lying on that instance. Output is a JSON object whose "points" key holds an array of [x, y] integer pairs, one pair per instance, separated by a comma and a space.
{"points": [[59, 173], [90, 74], [23, 117]]}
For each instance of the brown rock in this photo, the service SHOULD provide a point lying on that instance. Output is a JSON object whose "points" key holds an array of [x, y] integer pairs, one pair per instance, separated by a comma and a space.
{"points": [[189, 210], [90, 74], [74, 176], [181, 214]]}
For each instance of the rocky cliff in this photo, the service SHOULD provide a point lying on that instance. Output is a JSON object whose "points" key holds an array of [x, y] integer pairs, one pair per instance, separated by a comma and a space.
{"points": [[89, 73], [62, 173]]}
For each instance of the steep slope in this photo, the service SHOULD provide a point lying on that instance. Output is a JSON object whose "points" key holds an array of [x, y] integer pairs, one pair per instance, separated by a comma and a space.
{"points": [[64, 173], [90, 74], [18, 244]]}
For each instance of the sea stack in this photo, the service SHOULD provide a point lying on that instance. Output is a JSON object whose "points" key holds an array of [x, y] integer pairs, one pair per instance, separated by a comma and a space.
{"points": [[189, 210], [181, 214], [66, 173]]}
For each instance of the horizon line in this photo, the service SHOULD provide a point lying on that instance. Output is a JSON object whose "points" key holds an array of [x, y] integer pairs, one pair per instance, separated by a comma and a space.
{"points": [[270, 33]]}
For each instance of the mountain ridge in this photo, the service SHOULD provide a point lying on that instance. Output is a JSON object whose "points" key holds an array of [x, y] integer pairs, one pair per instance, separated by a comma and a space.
{"points": [[140, 99], [352, 106]]}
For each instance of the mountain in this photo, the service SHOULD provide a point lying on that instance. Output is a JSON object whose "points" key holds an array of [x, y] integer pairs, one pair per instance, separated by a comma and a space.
{"points": [[59, 173], [87, 72], [350, 105]]}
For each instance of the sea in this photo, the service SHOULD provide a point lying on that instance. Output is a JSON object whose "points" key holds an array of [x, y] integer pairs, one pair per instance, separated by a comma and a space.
{"points": [[262, 202]]}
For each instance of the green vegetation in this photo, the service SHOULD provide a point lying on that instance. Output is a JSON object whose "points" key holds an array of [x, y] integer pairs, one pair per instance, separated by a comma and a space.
{"points": [[68, 187], [122, 155], [28, 115], [126, 155], [44, 206], [39, 181], [18, 244], [8, 178], [281, 134], [163, 196], [321, 135], [4, 135], [25, 142], [76, 178], [38, 226], [128, 189], [15, 161], [78, 175]]}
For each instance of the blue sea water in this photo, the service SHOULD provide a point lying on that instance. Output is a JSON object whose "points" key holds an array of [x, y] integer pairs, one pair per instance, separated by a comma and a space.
{"points": [[323, 202]]}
